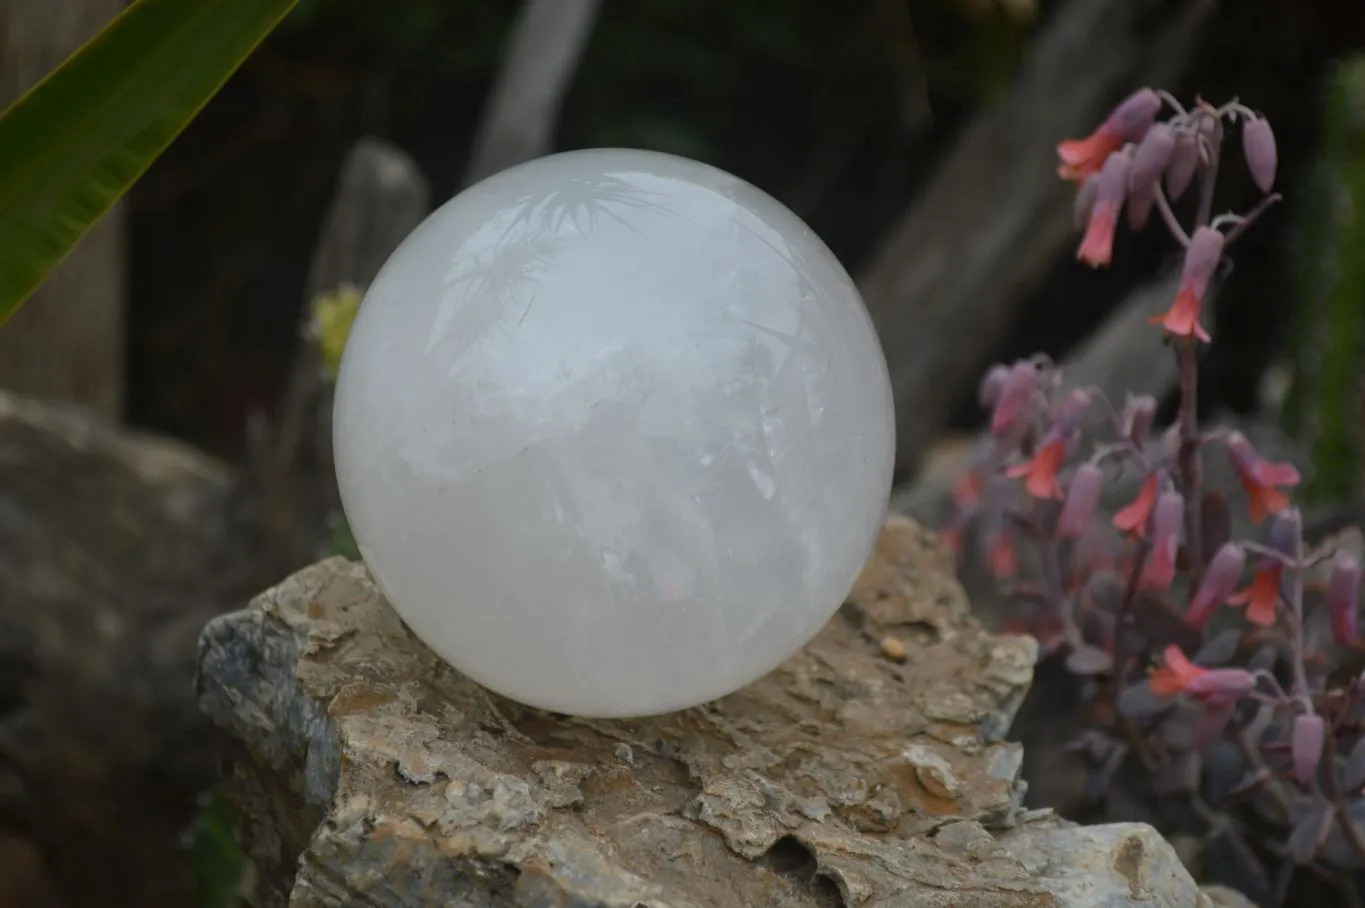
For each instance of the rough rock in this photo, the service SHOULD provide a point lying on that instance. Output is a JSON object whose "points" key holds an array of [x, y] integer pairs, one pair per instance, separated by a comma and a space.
{"points": [[1223, 897], [375, 774], [115, 548], [1107, 866]]}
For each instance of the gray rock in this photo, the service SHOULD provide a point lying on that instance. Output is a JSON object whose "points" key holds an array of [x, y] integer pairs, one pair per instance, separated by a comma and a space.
{"points": [[116, 547], [374, 774], [1223, 897], [1109, 866]]}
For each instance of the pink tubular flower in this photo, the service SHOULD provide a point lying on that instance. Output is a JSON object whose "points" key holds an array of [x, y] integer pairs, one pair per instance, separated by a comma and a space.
{"points": [[1179, 675], [1133, 517], [1222, 683], [1262, 596], [1220, 580], [1167, 516], [1175, 674], [1085, 201], [1260, 478], [1343, 590], [1305, 745], [1150, 160], [1258, 146], [1081, 500], [1128, 122], [1041, 470], [1097, 246], [1013, 396], [1201, 261]]}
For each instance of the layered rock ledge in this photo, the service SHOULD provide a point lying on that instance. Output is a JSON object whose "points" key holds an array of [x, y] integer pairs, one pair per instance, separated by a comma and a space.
{"points": [[869, 770]]}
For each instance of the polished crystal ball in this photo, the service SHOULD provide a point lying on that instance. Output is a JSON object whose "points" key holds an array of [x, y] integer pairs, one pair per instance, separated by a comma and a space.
{"points": [[613, 432]]}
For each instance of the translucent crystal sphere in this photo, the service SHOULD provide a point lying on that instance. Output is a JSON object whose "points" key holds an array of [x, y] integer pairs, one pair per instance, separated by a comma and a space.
{"points": [[614, 433]]}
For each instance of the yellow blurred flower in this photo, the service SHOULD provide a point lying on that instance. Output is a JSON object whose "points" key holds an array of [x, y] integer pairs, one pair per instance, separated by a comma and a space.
{"points": [[333, 314]]}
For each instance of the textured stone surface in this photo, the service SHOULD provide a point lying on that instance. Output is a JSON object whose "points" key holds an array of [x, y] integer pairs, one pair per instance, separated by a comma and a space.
{"points": [[379, 776], [1108, 866], [1223, 897], [614, 432]]}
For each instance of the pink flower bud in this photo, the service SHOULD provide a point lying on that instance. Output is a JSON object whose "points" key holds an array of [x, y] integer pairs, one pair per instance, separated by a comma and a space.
{"points": [[1081, 500], [1286, 533], [1305, 744], [1134, 115], [1183, 164], [1342, 592], [1210, 131], [1085, 201], [1201, 259], [1151, 158], [1220, 580], [1144, 175], [992, 384], [1071, 411], [1229, 682], [1166, 520], [1135, 422], [1097, 246], [1258, 145]]}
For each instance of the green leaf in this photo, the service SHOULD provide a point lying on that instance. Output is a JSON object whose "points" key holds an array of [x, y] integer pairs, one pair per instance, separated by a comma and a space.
{"points": [[75, 143], [342, 541], [218, 861]]}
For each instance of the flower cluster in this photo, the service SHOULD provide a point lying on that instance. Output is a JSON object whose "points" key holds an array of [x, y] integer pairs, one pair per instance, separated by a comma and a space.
{"points": [[1134, 160], [1220, 665]]}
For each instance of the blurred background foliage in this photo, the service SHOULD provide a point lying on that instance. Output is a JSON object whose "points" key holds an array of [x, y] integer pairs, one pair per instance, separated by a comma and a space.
{"points": [[840, 109], [826, 104]]}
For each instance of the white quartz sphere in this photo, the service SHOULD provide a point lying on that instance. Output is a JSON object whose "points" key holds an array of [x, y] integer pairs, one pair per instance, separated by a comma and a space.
{"points": [[613, 432]]}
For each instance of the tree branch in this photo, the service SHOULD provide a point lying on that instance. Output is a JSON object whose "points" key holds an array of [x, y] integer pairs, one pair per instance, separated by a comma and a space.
{"points": [[534, 75]]}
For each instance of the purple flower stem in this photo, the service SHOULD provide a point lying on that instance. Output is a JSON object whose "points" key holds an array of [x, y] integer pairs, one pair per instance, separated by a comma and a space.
{"points": [[1125, 617], [1246, 220], [1167, 215], [1272, 786], [1301, 691], [1053, 595], [1210, 176], [1266, 551], [1188, 460]]}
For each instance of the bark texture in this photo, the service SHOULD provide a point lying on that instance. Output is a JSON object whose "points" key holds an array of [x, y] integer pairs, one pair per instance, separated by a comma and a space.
{"points": [[535, 72]]}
